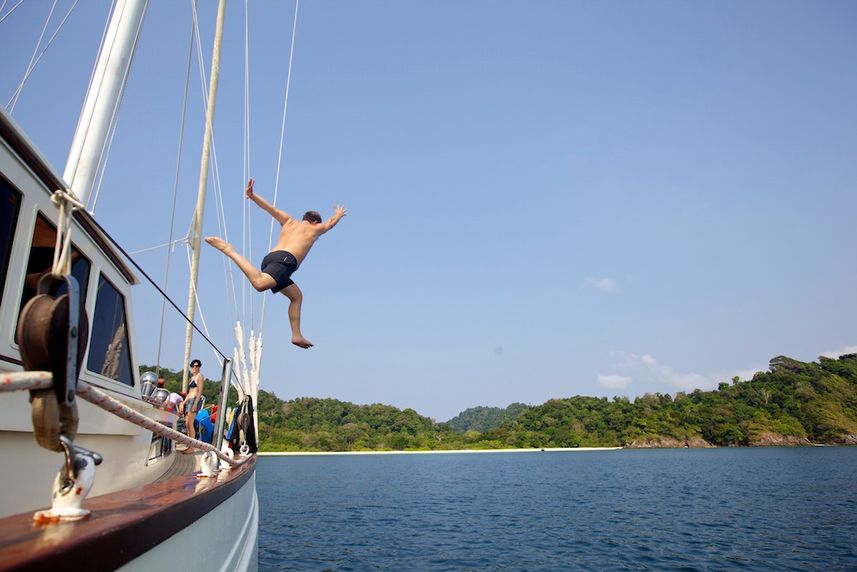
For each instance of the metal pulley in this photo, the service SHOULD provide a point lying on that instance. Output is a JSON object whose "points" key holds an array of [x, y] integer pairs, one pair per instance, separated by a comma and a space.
{"points": [[52, 333]]}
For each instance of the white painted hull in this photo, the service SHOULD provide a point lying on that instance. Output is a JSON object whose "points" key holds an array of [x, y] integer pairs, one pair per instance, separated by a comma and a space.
{"points": [[225, 539]]}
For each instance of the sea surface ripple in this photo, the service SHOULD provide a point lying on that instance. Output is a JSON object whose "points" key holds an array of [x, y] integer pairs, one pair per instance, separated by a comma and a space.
{"points": [[717, 509]]}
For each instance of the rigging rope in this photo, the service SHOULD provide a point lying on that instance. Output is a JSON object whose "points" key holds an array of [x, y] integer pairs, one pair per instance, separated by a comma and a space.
{"points": [[172, 244], [220, 208], [199, 305], [158, 288], [12, 9], [246, 241], [221, 218], [14, 101], [39, 58], [175, 197], [280, 150]]}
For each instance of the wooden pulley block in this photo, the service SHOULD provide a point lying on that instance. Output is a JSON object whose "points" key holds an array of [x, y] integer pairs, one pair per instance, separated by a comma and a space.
{"points": [[46, 333], [51, 419], [44, 338]]}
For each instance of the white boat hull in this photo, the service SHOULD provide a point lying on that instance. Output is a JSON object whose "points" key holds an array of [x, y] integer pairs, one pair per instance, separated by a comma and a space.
{"points": [[225, 539]]}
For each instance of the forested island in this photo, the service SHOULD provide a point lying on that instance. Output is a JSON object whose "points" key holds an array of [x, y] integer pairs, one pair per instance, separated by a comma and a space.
{"points": [[794, 403]]}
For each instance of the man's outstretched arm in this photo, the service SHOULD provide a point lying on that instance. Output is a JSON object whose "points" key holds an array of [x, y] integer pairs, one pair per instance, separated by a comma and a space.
{"points": [[279, 215], [338, 212]]}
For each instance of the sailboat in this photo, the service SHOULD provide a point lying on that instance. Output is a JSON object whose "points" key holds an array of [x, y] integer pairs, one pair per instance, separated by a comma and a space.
{"points": [[119, 492]]}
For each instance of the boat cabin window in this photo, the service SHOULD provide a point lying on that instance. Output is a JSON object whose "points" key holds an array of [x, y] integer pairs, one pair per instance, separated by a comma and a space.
{"points": [[109, 353], [160, 446], [42, 259], [10, 204]]}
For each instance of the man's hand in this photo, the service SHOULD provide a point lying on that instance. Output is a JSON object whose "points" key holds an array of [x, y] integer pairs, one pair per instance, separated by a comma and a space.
{"points": [[338, 213], [248, 192]]}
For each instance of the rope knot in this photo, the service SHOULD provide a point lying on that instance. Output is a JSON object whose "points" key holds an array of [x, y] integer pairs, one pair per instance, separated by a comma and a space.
{"points": [[66, 204], [61, 198]]}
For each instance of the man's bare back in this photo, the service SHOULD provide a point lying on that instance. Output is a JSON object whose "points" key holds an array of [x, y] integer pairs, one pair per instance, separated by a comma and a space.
{"points": [[297, 237], [295, 240]]}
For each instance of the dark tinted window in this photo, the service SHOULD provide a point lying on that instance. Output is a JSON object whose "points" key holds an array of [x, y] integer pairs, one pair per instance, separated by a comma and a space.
{"points": [[42, 259], [10, 204], [109, 353]]}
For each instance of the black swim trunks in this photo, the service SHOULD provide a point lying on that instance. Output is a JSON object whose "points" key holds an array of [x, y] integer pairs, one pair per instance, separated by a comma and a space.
{"points": [[280, 265]]}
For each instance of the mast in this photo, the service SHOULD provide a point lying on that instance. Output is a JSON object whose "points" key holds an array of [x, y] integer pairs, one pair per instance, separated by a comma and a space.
{"points": [[102, 96], [203, 182]]}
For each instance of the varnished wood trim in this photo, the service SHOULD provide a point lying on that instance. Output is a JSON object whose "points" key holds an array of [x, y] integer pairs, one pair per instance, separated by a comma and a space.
{"points": [[24, 149], [122, 526]]}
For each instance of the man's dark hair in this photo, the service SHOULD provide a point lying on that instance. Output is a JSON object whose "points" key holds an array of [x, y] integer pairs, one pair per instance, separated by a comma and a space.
{"points": [[312, 216]]}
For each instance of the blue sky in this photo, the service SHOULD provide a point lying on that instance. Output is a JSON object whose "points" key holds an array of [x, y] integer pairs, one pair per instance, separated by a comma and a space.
{"points": [[545, 198]]}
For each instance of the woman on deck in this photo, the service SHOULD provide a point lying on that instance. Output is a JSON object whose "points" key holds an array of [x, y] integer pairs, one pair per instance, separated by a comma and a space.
{"points": [[191, 403]]}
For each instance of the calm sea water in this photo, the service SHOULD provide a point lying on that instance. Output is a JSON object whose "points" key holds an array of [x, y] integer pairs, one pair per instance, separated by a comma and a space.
{"points": [[719, 509]]}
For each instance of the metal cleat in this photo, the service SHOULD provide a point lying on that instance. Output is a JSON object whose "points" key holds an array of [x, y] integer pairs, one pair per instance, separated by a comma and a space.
{"points": [[210, 465], [71, 485], [227, 450]]}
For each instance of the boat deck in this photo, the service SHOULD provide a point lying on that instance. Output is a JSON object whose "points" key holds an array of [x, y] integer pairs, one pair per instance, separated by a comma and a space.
{"points": [[182, 464], [136, 519]]}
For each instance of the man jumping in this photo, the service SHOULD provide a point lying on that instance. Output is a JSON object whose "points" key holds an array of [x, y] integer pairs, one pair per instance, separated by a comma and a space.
{"points": [[296, 239]]}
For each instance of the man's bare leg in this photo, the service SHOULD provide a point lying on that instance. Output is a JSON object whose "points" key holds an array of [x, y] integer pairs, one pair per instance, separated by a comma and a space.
{"points": [[258, 279], [295, 296]]}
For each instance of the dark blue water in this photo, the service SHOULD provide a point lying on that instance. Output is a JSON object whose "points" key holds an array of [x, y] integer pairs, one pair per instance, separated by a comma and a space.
{"points": [[719, 509]]}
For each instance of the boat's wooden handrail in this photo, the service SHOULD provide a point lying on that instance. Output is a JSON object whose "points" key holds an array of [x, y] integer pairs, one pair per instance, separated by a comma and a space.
{"points": [[135, 519]]}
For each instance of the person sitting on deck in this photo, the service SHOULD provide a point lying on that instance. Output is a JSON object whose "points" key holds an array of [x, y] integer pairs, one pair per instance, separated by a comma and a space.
{"points": [[295, 241], [172, 401]]}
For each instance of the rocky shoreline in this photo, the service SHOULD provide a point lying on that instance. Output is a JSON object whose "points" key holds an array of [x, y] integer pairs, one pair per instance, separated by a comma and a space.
{"points": [[761, 440]]}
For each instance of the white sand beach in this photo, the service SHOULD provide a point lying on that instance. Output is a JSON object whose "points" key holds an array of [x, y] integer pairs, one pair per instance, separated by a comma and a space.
{"points": [[545, 450]]}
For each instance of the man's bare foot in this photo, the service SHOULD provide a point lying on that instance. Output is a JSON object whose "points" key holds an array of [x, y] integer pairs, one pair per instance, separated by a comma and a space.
{"points": [[218, 243], [302, 342]]}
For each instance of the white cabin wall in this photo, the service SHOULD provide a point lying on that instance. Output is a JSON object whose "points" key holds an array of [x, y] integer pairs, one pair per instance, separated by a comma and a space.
{"points": [[125, 446]]}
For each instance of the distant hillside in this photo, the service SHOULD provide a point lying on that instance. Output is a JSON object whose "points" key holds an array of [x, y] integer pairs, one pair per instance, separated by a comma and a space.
{"points": [[795, 403], [311, 424], [485, 418]]}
